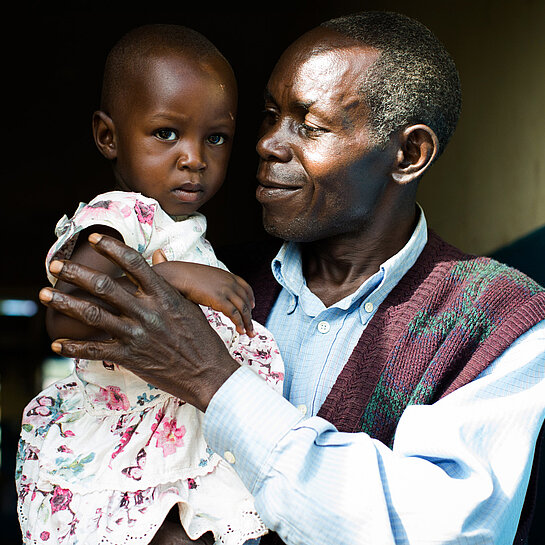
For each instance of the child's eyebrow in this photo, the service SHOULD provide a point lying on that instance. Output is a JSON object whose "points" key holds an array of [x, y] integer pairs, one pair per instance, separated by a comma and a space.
{"points": [[166, 115]]}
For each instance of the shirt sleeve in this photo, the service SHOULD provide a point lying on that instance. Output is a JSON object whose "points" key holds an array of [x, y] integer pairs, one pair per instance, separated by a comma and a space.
{"points": [[457, 473], [130, 214]]}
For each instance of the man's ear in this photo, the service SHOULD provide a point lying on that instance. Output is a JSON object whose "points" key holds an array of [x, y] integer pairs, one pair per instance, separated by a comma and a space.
{"points": [[418, 147], [104, 134]]}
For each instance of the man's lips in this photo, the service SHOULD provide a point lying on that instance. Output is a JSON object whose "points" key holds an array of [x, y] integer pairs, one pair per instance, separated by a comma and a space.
{"points": [[272, 189]]}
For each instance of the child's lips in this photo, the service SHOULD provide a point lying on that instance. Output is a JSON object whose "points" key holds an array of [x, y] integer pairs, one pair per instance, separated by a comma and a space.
{"points": [[188, 192]]}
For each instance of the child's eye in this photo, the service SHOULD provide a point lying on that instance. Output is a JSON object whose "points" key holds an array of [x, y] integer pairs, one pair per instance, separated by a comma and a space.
{"points": [[168, 135], [216, 139]]}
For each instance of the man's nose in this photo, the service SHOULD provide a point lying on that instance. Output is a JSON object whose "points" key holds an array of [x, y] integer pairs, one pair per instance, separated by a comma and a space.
{"points": [[273, 143], [191, 157]]}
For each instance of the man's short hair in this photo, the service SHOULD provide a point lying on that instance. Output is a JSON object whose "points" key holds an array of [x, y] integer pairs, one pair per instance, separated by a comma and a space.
{"points": [[136, 48], [414, 79]]}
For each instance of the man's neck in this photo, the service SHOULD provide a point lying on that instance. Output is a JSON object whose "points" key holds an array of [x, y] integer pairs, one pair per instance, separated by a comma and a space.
{"points": [[336, 267]]}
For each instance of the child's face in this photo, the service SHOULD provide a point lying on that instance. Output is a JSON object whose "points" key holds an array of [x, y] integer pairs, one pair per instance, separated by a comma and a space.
{"points": [[174, 133]]}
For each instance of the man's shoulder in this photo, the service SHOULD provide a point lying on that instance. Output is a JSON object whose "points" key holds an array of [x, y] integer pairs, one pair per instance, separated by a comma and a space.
{"points": [[479, 269]]}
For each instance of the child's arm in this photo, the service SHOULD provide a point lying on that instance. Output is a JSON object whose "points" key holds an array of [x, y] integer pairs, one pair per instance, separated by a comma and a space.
{"points": [[59, 325], [210, 286]]}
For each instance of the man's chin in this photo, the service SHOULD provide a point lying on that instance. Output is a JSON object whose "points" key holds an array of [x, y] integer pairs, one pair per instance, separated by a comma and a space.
{"points": [[293, 230]]}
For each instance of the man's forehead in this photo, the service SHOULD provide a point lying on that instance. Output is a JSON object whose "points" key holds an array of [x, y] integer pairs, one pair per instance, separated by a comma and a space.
{"points": [[315, 74]]}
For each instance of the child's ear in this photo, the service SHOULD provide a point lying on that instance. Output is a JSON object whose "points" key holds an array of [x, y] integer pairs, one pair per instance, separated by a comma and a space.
{"points": [[104, 134]]}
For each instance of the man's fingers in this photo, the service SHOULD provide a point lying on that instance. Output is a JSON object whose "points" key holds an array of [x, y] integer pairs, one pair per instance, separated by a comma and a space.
{"points": [[158, 257], [93, 282], [84, 311], [130, 261], [90, 350]]}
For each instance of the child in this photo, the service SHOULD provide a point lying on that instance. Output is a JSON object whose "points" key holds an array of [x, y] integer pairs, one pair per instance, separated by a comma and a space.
{"points": [[104, 456]]}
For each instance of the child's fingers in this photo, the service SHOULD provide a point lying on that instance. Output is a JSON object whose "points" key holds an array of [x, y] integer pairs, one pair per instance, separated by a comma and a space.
{"points": [[243, 312], [248, 291]]}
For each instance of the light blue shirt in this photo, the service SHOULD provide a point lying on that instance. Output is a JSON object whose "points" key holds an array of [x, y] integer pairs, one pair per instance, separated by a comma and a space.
{"points": [[315, 341], [458, 470]]}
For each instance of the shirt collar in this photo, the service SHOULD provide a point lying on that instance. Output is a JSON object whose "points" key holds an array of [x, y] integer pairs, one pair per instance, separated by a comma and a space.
{"points": [[288, 270]]}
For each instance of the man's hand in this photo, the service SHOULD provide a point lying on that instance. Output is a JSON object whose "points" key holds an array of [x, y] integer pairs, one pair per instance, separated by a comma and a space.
{"points": [[158, 334], [210, 286]]}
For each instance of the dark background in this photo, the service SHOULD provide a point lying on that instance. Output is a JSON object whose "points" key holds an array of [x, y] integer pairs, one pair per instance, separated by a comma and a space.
{"points": [[52, 66]]}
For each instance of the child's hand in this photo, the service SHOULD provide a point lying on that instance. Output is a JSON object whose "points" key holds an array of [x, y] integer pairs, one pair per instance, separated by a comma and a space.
{"points": [[210, 286]]}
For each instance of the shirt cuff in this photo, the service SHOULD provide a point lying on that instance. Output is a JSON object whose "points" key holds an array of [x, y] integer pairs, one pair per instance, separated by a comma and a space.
{"points": [[244, 422]]}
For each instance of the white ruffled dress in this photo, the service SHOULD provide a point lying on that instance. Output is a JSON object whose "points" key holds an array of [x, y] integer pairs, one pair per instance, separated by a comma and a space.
{"points": [[104, 456]]}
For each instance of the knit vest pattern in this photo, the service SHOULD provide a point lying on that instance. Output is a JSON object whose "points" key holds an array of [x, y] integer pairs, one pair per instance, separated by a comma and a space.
{"points": [[449, 317]]}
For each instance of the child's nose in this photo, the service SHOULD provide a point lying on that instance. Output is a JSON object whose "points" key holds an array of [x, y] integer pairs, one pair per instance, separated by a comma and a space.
{"points": [[191, 158]]}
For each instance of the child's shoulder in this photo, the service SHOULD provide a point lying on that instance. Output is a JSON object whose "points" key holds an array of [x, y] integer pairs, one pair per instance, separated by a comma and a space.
{"points": [[130, 198], [123, 205]]}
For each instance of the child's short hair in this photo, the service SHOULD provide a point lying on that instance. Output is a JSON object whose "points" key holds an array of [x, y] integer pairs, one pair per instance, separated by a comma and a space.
{"points": [[133, 51]]}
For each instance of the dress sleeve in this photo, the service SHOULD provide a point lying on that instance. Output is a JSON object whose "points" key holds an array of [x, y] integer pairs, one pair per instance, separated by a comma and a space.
{"points": [[130, 214]]}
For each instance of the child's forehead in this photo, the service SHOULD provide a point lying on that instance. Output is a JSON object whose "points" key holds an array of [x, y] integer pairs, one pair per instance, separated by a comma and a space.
{"points": [[177, 85], [159, 72]]}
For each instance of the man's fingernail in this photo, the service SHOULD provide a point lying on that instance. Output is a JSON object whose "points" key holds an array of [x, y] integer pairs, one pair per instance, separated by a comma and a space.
{"points": [[56, 347], [94, 238], [55, 267], [45, 295]]}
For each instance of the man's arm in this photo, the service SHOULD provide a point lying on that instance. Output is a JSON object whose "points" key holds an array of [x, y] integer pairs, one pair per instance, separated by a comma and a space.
{"points": [[457, 473]]}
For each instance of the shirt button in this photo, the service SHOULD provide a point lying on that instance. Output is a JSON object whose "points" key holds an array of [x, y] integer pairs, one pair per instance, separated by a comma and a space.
{"points": [[324, 327], [368, 306], [229, 457], [302, 409]]}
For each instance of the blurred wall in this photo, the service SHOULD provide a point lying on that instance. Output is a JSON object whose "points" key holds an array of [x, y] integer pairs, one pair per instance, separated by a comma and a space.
{"points": [[489, 188]]}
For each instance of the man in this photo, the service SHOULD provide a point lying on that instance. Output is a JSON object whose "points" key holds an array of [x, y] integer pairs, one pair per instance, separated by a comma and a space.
{"points": [[414, 372]]}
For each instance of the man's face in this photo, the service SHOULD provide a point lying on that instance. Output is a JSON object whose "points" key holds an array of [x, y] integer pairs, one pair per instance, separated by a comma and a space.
{"points": [[319, 174], [174, 133]]}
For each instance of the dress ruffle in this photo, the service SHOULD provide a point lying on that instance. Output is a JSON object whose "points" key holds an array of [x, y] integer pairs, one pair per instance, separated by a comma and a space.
{"points": [[97, 469]]}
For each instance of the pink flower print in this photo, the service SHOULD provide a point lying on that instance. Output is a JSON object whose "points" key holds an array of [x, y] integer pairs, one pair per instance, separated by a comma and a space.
{"points": [[114, 398], [144, 212], [44, 406], [44, 536], [60, 500], [169, 437], [100, 209]]}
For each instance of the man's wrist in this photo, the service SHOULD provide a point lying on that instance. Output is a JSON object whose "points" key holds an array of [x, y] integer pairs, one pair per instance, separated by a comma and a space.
{"points": [[217, 377]]}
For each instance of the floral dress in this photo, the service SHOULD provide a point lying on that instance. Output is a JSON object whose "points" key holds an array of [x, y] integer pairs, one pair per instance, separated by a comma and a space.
{"points": [[103, 456]]}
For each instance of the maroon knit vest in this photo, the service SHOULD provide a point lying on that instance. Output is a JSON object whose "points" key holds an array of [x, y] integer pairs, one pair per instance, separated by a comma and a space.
{"points": [[449, 317]]}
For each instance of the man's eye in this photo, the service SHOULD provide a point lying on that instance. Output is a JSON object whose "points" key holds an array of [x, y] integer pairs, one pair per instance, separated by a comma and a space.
{"points": [[168, 135], [216, 139], [270, 115], [310, 130]]}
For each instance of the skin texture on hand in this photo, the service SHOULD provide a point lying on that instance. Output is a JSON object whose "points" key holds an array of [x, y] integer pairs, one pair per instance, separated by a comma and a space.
{"points": [[210, 286], [156, 332]]}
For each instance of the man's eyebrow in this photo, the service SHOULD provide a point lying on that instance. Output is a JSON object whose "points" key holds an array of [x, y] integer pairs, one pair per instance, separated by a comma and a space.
{"points": [[267, 96], [302, 104]]}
